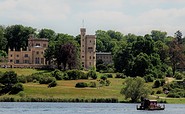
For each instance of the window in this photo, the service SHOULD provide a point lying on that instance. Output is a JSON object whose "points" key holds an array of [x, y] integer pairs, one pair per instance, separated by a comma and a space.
{"points": [[89, 57], [11, 60], [90, 41], [90, 47], [44, 45], [42, 60], [82, 63], [37, 60], [26, 55], [82, 56], [11, 55], [82, 45], [42, 52], [37, 44], [17, 55], [17, 61], [37, 52], [89, 63], [93, 57], [26, 61]]}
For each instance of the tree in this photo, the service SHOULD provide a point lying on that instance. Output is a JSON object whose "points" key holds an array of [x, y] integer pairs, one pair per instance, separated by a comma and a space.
{"points": [[47, 33], [68, 54], [162, 49], [176, 55], [17, 36], [65, 51], [3, 40], [178, 36], [134, 88], [158, 35], [141, 64], [8, 80]]}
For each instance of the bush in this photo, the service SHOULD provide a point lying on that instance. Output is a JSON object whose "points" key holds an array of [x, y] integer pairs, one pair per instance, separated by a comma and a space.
{"points": [[52, 84], [92, 84], [46, 79], [76, 74], [149, 78], [107, 83], [92, 74], [16, 88], [158, 92], [162, 82], [57, 74], [109, 76], [169, 72], [120, 75], [157, 84], [22, 79], [179, 76], [104, 77], [81, 85]]}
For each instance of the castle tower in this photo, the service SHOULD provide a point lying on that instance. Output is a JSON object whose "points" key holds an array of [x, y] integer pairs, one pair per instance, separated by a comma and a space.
{"points": [[88, 49]]}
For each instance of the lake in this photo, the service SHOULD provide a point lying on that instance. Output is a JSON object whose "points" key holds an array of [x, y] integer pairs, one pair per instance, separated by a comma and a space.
{"points": [[82, 108]]}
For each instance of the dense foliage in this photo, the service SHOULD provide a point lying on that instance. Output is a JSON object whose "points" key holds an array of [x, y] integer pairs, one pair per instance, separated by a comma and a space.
{"points": [[9, 83], [134, 88]]}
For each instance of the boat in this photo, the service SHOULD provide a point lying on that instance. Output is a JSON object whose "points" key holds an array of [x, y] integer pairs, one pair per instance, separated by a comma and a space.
{"points": [[150, 105]]}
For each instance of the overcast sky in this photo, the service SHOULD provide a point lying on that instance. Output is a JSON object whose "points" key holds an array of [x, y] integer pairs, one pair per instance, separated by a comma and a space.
{"points": [[66, 16]]}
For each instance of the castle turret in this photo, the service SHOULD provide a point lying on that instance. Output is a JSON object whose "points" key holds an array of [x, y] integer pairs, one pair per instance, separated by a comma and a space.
{"points": [[88, 49]]}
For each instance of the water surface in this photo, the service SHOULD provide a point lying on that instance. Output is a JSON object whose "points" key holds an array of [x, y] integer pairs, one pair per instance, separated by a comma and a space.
{"points": [[82, 108]]}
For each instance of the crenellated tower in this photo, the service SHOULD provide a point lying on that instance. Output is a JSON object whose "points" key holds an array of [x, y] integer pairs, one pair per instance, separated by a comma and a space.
{"points": [[88, 49]]}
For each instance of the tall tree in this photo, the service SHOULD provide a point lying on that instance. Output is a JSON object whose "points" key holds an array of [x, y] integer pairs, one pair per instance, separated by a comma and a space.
{"points": [[178, 36], [158, 35], [65, 50], [135, 89], [3, 40], [47, 33], [176, 55], [68, 55], [17, 36]]}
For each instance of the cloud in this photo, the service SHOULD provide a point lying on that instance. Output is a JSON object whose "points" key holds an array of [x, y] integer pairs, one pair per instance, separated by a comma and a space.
{"points": [[127, 16], [34, 10]]}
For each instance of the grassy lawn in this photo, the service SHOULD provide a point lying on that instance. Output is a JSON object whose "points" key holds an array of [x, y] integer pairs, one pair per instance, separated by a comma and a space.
{"points": [[20, 71], [65, 89]]}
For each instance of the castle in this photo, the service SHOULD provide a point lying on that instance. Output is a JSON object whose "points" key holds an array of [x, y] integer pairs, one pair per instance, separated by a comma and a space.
{"points": [[33, 56]]}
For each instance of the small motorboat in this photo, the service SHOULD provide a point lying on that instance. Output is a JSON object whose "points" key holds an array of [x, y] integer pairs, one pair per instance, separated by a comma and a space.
{"points": [[150, 105]]}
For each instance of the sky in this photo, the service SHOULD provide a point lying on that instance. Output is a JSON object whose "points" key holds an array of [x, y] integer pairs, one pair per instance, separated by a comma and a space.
{"points": [[139, 17]]}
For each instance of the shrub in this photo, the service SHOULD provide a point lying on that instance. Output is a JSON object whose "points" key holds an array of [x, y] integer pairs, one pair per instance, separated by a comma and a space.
{"points": [[22, 79], [52, 84], [120, 75], [107, 83], [178, 76], [92, 84], [109, 76], [81, 85], [104, 77], [158, 92], [57, 74], [46, 79], [16, 88], [162, 82], [152, 93], [157, 84], [76, 74], [149, 78], [169, 72], [92, 74]]}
